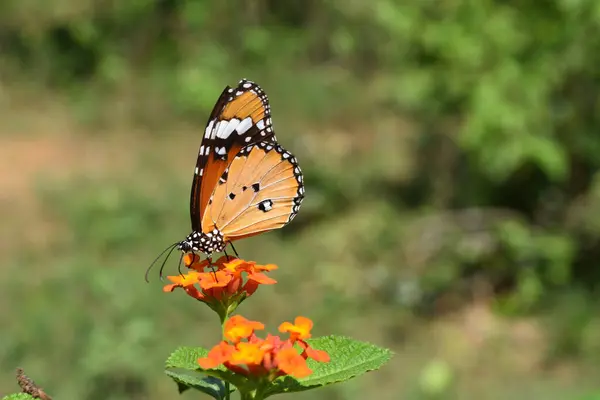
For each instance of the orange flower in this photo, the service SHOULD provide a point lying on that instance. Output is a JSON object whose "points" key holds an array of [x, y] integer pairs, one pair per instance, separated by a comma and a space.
{"points": [[309, 352], [228, 282], [192, 261], [247, 353], [186, 282], [270, 357], [238, 328], [292, 363], [218, 355], [300, 329]]}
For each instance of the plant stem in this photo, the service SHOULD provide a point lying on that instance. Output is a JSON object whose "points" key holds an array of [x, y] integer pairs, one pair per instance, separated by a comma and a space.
{"points": [[227, 391], [253, 395]]}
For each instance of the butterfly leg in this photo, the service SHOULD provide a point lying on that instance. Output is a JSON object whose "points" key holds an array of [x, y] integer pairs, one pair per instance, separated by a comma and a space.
{"points": [[179, 265], [234, 250], [227, 255]]}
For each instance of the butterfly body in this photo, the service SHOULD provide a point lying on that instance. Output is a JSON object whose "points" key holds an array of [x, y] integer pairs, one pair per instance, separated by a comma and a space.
{"points": [[245, 183], [207, 243]]}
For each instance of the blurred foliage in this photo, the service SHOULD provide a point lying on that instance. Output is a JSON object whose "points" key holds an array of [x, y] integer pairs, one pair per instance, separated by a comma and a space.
{"points": [[491, 186]]}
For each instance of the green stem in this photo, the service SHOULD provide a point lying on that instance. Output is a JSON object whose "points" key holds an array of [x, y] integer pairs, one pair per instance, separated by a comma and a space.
{"points": [[253, 395], [227, 391], [223, 316]]}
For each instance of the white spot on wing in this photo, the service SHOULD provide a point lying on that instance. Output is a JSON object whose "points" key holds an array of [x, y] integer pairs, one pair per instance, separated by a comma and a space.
{"points": [[244, 125], [221, 150], [225, 128], [260, 124], [209, 129]]}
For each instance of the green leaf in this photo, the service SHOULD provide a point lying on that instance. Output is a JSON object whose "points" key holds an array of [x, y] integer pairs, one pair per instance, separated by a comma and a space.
{"points": [[349, 358], [182, 366], [186, 357], [550, 156], [187, 379], [18, 396]]}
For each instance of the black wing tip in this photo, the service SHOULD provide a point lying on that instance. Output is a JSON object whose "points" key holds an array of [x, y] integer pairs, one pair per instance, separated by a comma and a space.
{"points": [[246, 81]]}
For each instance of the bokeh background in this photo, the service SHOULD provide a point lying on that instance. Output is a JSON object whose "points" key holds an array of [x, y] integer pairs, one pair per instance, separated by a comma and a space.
{"points": [[450, 149]]}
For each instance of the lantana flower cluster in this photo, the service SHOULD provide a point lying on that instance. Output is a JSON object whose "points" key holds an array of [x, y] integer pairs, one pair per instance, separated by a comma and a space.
{"points": [[245, 353], [223, 284]]}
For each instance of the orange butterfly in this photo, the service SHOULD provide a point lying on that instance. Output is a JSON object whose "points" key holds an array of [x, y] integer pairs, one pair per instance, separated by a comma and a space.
{"points": [[244, 183]]}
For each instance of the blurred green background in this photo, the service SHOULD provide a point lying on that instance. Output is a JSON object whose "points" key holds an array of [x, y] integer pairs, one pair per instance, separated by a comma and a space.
{"points": [[451, 152]]}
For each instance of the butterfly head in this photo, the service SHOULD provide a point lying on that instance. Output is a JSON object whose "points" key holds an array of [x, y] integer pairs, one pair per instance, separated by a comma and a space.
{"points": [[207, 243]]}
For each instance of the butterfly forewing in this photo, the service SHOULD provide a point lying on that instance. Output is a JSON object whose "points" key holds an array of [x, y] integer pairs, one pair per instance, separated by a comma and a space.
{"points": [[261, 190], [244, 183], [241, 117]]}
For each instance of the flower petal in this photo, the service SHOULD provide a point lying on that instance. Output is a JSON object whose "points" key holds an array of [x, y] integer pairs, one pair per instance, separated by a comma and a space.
{"points": [[261, 278], [217, 355], [290, 362], [238, 328], [209, 280], [300, 329], [317, 355], [192, 261], [247, 353], [268, 267]]}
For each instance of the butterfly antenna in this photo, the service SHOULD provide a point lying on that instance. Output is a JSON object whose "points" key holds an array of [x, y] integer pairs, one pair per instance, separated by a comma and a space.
{"points": [[156, 259], [160, 274]]}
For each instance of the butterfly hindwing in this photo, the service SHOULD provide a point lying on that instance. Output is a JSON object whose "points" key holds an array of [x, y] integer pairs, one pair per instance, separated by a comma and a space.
{"points": [[261, 190], [241, 117]]}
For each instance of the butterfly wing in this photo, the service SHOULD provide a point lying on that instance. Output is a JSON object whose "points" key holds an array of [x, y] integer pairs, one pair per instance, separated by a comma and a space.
{"points": [[241, 117], [261, 190]]}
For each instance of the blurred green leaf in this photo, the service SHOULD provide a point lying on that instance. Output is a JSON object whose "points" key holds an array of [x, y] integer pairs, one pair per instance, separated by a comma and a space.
{"points": [[18, 396]]}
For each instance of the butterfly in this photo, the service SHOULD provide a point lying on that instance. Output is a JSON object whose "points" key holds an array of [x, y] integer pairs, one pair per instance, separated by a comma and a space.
{"points": [[245, 183]]}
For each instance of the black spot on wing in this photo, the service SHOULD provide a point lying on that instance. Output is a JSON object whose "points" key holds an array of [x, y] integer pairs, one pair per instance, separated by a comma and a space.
{"points": [[265, 205]]}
